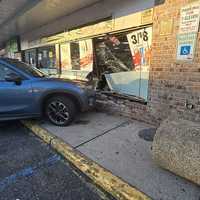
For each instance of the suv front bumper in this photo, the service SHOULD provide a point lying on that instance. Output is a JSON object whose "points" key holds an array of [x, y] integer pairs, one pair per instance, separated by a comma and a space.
{"points": [[89, 100]]}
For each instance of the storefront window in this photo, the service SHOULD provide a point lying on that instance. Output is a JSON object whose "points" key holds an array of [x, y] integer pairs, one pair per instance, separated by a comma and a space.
{"points": [[124, 60], [43, 58], [77, 59], [30, 57], [75, 55], [47, 60]]}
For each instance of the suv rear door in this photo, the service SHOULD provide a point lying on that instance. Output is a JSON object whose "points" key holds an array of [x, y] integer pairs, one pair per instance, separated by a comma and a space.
{"points": [[15, 99]]}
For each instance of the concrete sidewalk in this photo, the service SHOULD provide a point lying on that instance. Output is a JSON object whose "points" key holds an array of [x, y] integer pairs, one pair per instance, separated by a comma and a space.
{"points": [[124, 148]]}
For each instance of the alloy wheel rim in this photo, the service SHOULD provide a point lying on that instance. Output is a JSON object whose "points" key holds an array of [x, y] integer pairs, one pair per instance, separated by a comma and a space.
{"points": [[58, 112]]}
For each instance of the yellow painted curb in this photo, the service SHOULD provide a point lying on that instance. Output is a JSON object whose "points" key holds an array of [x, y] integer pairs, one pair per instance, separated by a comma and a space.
{"points": [[102, 177]]}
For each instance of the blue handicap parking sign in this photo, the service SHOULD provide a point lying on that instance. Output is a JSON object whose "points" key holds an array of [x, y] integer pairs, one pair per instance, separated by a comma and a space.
{"points": [[185, 50]]}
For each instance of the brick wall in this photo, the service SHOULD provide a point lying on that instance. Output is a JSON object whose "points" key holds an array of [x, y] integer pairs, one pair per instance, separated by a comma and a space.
{"points": [[173, 84], [174, 87], [128, 108]]}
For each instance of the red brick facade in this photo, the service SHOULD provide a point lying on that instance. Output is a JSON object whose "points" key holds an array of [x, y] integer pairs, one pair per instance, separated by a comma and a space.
{"points": [[174, 86]]}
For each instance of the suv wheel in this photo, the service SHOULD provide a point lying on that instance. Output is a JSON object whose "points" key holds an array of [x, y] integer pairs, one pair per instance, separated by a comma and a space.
{"points": [[60, 110]]}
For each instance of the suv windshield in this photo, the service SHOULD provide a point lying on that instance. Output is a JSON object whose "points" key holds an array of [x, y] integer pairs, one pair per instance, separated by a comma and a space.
{"points": [[26, 68]]}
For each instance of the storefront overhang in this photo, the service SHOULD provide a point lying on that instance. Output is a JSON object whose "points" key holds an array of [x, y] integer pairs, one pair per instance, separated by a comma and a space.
{"points": [[9, 13], [20, 16], [108, 25], [48, 17]]}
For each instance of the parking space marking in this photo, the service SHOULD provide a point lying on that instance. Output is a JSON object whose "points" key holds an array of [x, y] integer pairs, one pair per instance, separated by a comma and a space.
{"points": [[29, 171]]}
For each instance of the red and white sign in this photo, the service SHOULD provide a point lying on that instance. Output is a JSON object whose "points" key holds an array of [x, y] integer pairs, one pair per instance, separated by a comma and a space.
{"points": [[86, 55], [66, 61], [140, 44], [114, 40]]}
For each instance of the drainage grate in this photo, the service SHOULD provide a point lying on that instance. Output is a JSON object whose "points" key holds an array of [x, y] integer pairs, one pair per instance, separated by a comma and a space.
{"points": [[147, 134]]}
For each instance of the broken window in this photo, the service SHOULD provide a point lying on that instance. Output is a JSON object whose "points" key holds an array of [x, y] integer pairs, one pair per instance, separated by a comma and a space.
{"points": [[123, 61]]}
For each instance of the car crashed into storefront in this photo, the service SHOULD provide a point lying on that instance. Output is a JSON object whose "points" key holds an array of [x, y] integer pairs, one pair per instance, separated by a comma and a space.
{"points": [[112, 63]]}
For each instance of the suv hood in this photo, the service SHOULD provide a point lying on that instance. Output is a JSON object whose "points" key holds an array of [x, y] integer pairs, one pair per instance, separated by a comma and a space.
{"points": [[82, 84]]}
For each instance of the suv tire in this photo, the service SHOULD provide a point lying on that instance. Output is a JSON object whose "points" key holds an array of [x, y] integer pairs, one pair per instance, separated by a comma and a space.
{"points": [[60, 110]]}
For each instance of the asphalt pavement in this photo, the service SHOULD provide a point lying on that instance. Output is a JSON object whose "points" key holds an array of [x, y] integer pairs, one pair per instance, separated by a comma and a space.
{"points": [[31, 170]]}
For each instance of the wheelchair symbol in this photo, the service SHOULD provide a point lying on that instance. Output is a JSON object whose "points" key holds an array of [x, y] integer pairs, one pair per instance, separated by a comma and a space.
{"points": [[185, 50]]}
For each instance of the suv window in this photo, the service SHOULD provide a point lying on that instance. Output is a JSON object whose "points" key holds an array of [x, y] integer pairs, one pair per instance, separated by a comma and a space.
{"points": [[26, 68], [4, 71]]}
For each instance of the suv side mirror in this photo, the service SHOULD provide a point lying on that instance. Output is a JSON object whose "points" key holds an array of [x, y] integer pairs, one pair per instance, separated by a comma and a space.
{"points": [[12, 77]]}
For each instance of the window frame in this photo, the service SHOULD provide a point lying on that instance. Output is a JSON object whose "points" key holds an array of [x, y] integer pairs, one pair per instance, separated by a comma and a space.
{"points": [[116, 34]]}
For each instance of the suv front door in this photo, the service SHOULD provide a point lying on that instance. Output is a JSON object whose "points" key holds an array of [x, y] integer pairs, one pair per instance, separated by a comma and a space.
{"points": [[15, 99]]}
